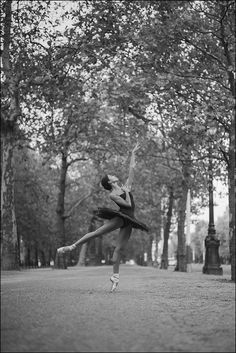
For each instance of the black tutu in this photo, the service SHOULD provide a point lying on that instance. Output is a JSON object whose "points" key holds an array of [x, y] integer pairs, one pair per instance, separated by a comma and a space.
{"points": [[109, 213]]}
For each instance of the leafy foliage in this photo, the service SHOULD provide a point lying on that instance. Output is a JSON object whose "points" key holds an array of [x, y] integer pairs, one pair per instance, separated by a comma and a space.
{"points": [[93, 77]]}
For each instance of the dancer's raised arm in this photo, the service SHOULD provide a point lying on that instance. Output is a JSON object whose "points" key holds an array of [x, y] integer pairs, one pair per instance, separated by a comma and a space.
{"points": [[132, 164]]}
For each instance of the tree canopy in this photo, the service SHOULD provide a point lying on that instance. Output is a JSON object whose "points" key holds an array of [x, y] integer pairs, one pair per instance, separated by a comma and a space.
{"points": [[82, 81]]}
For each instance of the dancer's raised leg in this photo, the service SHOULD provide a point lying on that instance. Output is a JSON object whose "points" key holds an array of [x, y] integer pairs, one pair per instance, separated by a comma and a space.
{"points": [[109, 226]]}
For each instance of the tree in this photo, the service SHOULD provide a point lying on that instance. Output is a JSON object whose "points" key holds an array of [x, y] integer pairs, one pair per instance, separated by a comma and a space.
{"points": [[164, 257], [11, 111], [14, 69], [36, 224], [198, 238], [222, 231], [186, 49], [120, 71]]}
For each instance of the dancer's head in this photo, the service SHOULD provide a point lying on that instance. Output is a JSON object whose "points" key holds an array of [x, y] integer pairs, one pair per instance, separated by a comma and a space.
{"points": [[108, 181]]}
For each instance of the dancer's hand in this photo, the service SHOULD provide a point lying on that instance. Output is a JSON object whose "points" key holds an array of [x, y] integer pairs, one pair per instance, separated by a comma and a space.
{"points": [[132, 161], [136, 147], [125, 188]]}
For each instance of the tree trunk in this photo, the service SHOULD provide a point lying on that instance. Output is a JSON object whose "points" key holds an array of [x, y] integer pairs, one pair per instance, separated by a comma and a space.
{"points": [[60, 261], [95, 251], [149, 250], [28, 257], [99, 252], [92, 255], [164, 257], [90, 244], [231, 171], [82, 255], [181, 248], [9, 246], [156, 241], [43, 258], [10, 255], [157, 235], [231, 183], [36, 255]]}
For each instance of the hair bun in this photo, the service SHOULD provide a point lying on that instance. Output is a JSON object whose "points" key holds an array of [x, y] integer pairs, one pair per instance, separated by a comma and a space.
{"points": [[106, 182]]}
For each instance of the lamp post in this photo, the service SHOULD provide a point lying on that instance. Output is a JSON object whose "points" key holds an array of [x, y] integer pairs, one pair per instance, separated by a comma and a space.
{"points": [[212, 258]]}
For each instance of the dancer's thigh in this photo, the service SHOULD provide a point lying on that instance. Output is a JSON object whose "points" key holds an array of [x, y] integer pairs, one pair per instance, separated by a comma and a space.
{"points": [[109, 226]]}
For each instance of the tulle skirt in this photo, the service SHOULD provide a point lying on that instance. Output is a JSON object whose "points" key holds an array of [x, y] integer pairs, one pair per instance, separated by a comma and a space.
{"points": [[108, 213]]}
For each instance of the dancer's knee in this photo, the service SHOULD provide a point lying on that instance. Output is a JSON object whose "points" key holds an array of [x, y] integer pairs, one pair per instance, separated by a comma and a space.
{"points": [[119, 250]]}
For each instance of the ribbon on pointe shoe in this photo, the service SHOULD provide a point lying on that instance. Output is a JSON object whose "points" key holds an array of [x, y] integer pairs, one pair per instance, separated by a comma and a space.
{"points": [[114, 280]]}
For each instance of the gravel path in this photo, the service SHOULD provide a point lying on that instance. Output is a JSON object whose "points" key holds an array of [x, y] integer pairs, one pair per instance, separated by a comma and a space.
{"points": [[153, 310]]}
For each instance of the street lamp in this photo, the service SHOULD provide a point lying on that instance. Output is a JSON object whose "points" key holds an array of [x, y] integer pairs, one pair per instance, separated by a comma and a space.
{"points": [[212, 258]]}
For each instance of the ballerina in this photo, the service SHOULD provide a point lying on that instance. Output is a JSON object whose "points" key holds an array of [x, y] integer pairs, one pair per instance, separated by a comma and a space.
{"points": [[122, 219]]}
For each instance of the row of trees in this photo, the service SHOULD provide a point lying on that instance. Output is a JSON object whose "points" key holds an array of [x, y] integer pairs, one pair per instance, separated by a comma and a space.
{"points": [[36, 189], [82, 81]]}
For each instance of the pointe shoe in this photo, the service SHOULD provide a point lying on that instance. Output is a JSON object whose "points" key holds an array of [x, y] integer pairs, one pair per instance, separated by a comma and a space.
{"points": [[114, 280], [65, 249]]}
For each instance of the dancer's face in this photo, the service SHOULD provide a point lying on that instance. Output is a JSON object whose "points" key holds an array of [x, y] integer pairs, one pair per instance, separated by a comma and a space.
{"points": [[113, 179]]}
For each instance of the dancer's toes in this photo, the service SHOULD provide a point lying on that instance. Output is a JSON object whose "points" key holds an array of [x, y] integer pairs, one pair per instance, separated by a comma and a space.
{"points": [[113, 287], [114, 280], [65, 249]]}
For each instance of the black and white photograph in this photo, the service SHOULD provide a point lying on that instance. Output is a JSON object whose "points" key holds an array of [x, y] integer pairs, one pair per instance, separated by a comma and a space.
{"points": [[118, 175]]}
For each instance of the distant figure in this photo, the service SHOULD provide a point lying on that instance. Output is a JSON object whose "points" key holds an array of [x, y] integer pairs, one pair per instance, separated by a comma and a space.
{"points": [[123, 218]]}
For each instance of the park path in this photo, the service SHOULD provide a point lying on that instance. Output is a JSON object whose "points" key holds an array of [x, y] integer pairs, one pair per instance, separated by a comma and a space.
{"points": [[153, 310]]}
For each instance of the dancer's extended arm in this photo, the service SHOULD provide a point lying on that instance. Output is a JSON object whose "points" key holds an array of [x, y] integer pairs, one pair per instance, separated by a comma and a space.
{"points": [[132, 164]]}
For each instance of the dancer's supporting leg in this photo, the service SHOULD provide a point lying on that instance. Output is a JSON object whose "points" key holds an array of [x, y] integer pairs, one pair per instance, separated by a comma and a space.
{"points": [[122, 241], [109, 226]]}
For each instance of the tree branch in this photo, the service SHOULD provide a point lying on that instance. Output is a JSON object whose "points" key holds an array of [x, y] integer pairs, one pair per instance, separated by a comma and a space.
{"points": [[138, 116], [76, 160], [77, 203], [205, 52]]}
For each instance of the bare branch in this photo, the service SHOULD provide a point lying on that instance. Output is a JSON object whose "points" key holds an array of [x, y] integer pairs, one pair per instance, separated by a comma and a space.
{"points": [[205, 52], [76, 160], [77, 203], [137, 115]]}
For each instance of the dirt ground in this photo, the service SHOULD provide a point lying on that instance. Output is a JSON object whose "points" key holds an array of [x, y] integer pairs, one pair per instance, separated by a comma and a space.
{"points": [[153, 310]]}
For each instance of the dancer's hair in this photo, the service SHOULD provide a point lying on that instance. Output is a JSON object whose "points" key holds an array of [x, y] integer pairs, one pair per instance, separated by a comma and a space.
{"points": [[106, 182]]}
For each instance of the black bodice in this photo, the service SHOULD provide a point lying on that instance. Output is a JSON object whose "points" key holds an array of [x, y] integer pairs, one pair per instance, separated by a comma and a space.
{"points": [[126, 213]]}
